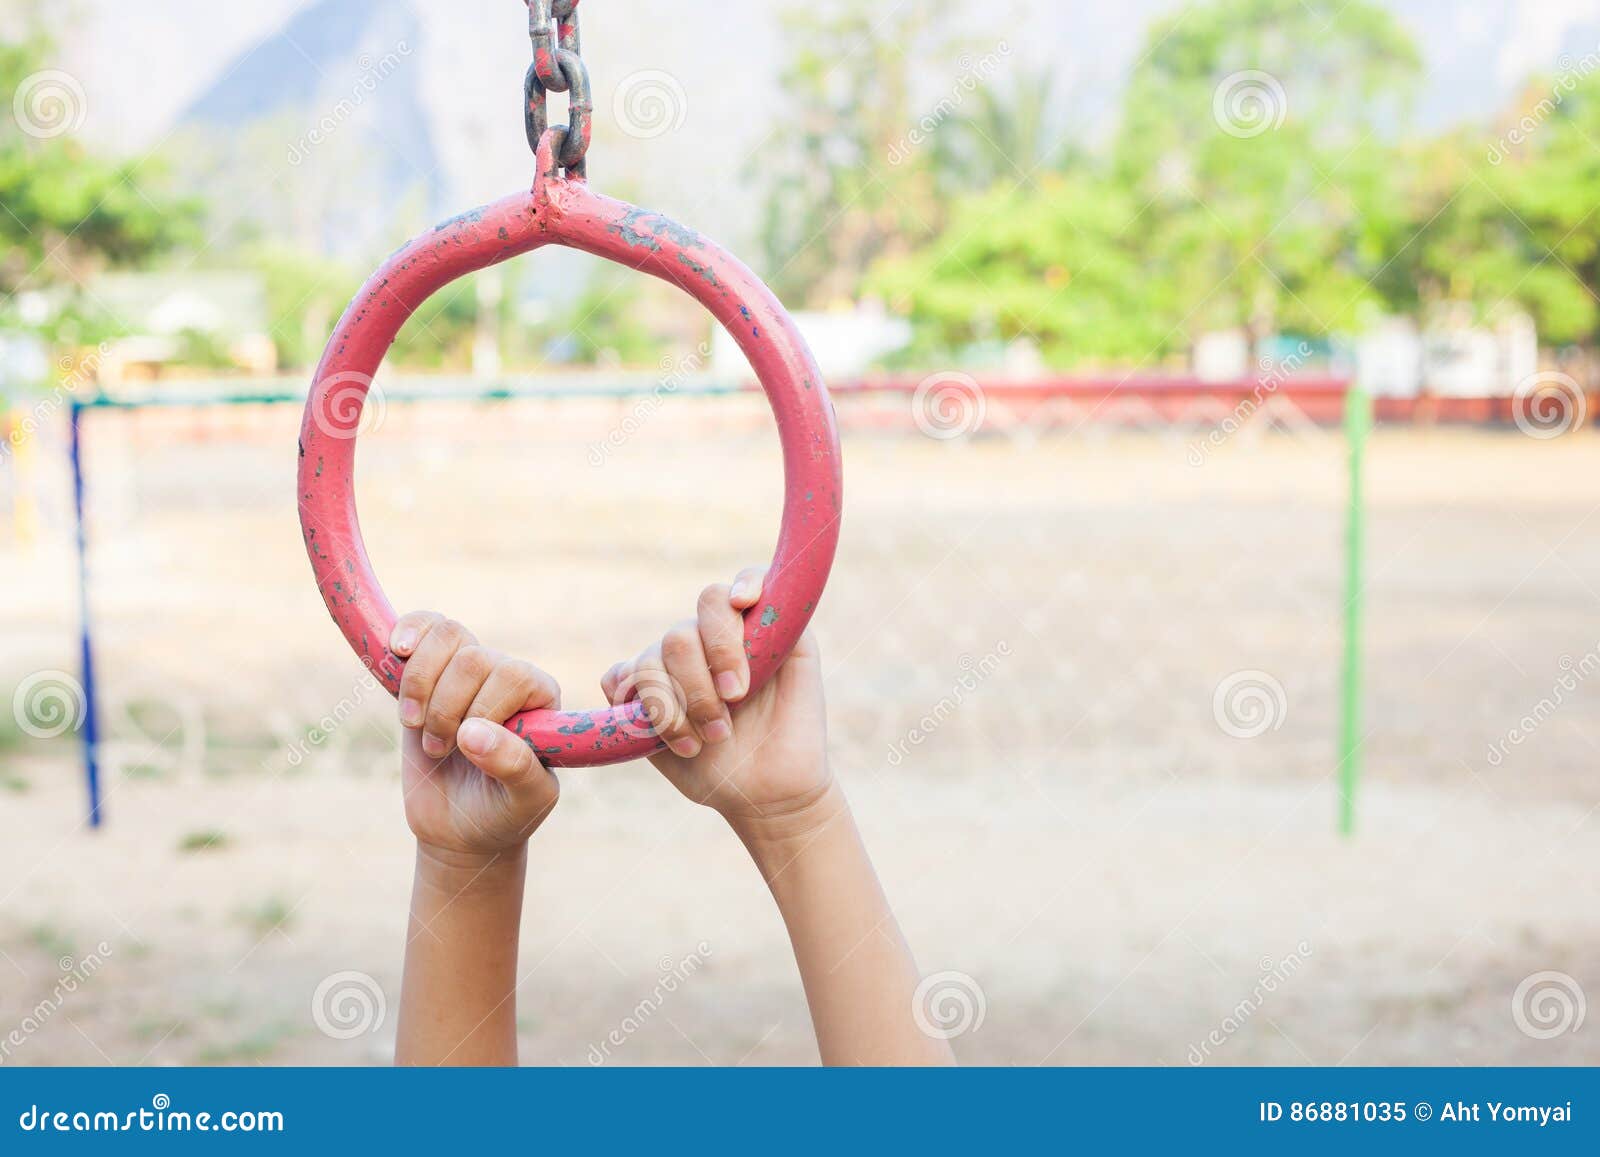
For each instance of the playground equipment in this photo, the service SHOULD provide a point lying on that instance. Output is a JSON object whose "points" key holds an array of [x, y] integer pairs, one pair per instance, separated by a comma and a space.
{"points": [[1045, 417], [561, 209]]}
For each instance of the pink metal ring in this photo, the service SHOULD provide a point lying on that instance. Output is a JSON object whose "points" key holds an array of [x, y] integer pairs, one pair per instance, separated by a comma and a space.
{"points": [[565, 211]]}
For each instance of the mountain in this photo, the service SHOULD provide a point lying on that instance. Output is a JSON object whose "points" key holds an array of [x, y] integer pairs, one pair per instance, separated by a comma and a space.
{"points": [[324, 118], [353, 121]]}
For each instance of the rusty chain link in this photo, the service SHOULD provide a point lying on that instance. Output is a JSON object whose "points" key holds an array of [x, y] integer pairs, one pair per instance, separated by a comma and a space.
{"points": [[558, 67]]}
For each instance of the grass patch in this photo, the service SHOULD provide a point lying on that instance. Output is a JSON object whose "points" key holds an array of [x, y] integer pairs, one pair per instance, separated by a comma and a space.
{"points": [[270, 915], [204, 841], [259, 1046]]}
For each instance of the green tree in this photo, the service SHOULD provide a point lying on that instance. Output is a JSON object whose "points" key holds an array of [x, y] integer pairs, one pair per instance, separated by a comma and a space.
{"points": [[1473, 235], [68, 212], [1007, 132], [1255, 133], [1059, 262], [843, 183]]}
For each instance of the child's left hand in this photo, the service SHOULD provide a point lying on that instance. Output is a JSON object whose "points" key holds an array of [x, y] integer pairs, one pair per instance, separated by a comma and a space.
{"points": [[471, 787]]}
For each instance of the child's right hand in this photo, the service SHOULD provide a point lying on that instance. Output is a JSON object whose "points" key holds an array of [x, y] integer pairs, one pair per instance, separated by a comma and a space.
{"points": [[761, 759]]}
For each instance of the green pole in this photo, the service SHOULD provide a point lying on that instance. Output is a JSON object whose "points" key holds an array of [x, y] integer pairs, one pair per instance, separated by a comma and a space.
{"points": [[1357, 425]]}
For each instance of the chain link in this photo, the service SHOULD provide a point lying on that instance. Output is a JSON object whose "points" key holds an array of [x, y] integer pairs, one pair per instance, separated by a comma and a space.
{"points": [[558, 67]]}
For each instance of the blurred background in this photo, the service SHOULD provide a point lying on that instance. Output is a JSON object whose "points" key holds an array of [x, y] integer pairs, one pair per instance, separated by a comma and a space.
{"points": [[1106, 294]]}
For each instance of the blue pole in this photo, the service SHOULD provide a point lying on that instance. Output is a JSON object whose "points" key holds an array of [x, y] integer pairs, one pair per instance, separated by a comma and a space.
{"points": [[91, 720]]}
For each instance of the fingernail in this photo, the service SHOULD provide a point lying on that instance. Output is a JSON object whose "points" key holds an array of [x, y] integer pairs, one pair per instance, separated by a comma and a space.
{"points": [[729, 686], [741, 589], [405, 640], [434, 746], [688, 747], [411, 712], [718, 731], [476, 737]]}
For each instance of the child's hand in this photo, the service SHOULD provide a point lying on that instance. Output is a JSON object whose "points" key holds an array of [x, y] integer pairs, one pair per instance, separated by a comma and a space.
{"points": [[751, 757], [471, 786]]}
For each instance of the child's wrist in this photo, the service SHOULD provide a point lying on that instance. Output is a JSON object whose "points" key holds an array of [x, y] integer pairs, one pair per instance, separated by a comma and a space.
{"points": [[456, 872], [792, 823]]}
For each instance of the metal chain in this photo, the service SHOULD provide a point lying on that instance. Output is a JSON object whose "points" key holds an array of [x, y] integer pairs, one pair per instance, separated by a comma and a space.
{"points": [[558, 67]]}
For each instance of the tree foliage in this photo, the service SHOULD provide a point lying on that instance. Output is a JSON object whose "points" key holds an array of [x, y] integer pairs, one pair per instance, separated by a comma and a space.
{"points": [[67, 211]]}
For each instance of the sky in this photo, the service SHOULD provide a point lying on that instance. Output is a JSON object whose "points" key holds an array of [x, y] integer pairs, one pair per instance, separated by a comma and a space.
{"points": [[142, 64]]}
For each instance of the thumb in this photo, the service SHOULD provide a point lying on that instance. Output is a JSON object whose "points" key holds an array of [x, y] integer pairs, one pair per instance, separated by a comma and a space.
{"points": [[503, 757]]}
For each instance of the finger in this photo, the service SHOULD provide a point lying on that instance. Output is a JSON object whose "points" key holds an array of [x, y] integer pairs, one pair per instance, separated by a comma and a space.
{"points": [[663, 702], [722, 635], [408, 631], [746, 590], [615, 682], [432, 654], [684, 656], [454, 693], [513, 687], [504, 757]]}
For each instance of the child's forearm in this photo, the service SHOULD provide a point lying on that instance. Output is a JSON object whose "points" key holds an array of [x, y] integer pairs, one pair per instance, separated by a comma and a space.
{"points": [[458, 997], [858, 973]]}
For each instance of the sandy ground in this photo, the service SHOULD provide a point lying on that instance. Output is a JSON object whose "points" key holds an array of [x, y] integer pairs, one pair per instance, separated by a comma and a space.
{"points": [[1115, 877]]}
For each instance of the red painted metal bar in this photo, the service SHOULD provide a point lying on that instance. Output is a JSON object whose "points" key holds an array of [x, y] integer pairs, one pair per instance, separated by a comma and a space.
{"points": [[564, 211], [1111, 386]]}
